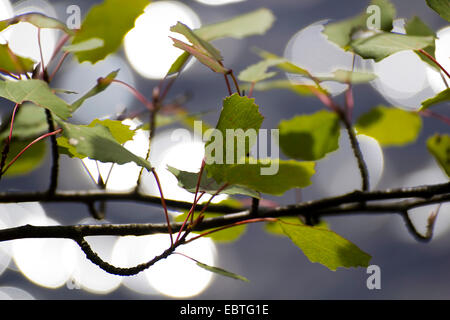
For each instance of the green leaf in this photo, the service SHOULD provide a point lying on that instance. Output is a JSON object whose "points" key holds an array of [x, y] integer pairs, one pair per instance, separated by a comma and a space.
{"points": [[342, 32], [109, 21], [239, 113], [30, 122], [253, 23], [258, 72], [275, 228], [345, 76], [442, 7], [325, 247], [179, 63], [87, 45], [13, 63], [382, 45], [300, 89], [188, 181], [390, 126], [443, 96], [39, 20], [205, 59], [283, 175], [241, 117], [387, 13], [222, 272], [120, 132], [416, 27], [102, 84], [439, 146], [284, 65], [97, 142], [35, 91], [30, 160], [201, 45], [310, 137]]}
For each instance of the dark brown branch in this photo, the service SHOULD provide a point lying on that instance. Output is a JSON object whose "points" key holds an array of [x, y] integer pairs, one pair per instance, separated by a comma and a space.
{"points": [[55, 154], [343, 205], [357, 152], [99, 195], [95, 258]]}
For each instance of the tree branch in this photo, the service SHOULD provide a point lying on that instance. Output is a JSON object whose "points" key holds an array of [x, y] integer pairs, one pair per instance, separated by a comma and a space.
{"points": [[351, 203], [357, 152], [55, 154]]}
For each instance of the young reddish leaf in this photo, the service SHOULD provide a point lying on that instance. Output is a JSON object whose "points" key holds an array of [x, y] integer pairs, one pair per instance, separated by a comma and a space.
{"points": [[211, 63]]}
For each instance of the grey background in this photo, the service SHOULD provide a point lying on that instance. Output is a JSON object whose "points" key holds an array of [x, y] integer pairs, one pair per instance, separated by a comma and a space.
{"points": [[275, 267]]}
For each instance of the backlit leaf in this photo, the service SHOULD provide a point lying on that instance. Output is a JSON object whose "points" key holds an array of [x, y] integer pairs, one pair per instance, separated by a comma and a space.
{"points": [[188, 181], [325, 247], [39, 20], [222, 272], [241, 117], [284, 64], [271, 176], [30, 122], [202, 45], [35, 91], [390, 126], [97, 143], [416, 27], [90, 44], [102, 84], [253, 23], [258, 72], [205, 59], [342, 32], [442, 7], [30, 160], [346, 76], [310, 137], [13, 63], [109, 21], [382, 45], [300, 89], [439, 147], [443, 96]]}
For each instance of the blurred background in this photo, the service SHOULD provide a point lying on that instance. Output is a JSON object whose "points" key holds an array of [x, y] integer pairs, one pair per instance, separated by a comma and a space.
{"points": [[56, 269]]}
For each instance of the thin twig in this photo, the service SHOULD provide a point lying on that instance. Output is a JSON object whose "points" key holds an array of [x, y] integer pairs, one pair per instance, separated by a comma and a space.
{"points": [[250, 91], [137, 94], [95, 258], [349, 99], [163, 203], [40, 51], [235, 82], [58, 66], [207, 233], [196, 199], [357, 152], [430, 226], [55, 153], [434, 61], [50, 134], [435, 115], [228, 84]]}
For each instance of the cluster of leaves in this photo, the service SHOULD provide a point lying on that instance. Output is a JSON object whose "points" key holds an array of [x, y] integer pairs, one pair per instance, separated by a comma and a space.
{"points": [[304, 139]]}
